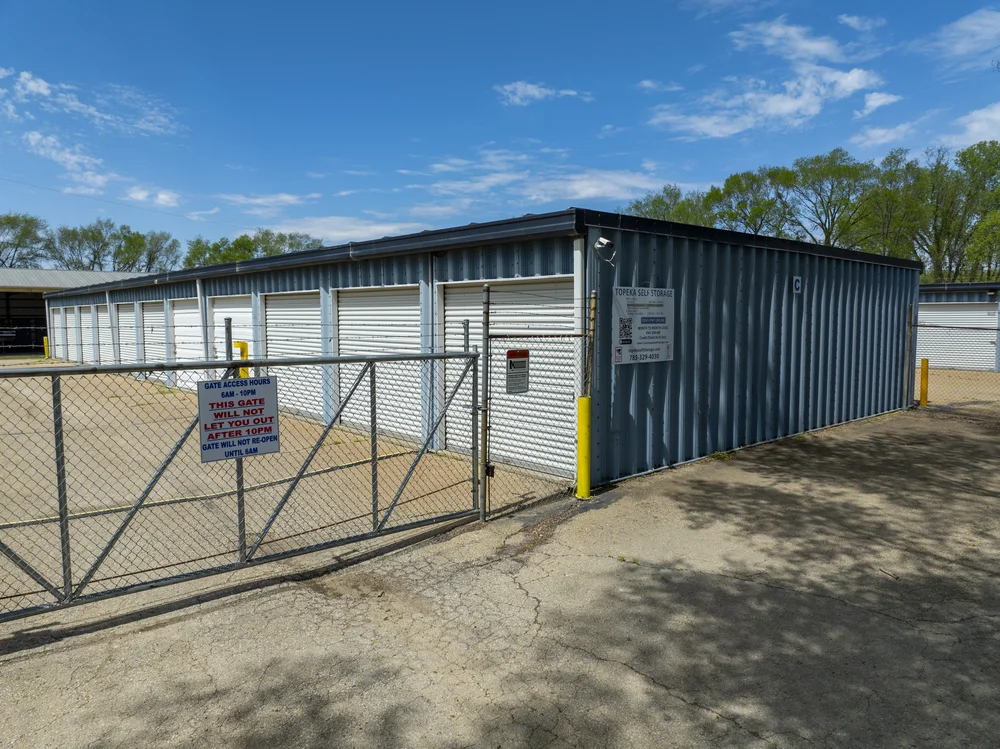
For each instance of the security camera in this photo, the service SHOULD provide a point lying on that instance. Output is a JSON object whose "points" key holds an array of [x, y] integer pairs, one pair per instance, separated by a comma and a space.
{"points": [[603, 244]]}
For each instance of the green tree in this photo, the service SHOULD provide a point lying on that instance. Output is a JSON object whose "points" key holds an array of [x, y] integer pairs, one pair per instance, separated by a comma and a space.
{"points": [[90, 247], [671, 204], [895, 210], [263, 243], [983, 250], [22, 240], [826, 197], [153, 252], [748, 202], [949, 216]]}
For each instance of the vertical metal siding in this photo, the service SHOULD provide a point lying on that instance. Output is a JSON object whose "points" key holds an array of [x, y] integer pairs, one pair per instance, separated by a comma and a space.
{"points": [[753, 361]]}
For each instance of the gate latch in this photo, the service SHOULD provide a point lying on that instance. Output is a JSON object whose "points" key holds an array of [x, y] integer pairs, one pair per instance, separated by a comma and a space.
{"points": [[489, 469]]}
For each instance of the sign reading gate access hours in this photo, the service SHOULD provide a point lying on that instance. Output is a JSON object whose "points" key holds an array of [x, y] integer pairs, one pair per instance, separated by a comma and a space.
{"points": [[238, 418], [644, 324]]}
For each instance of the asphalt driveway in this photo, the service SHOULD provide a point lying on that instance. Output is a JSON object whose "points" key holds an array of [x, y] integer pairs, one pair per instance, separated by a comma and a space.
{"points": [[838, 589]]}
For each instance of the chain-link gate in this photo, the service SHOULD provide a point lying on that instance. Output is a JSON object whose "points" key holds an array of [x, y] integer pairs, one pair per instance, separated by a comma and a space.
{"points": [[103, 491], [532, 378], [962, 372]]}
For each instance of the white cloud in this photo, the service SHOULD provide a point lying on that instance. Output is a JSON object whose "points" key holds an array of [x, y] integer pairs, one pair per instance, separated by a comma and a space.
{"points": [[861, 23], [478, 184], [969, 42], [650, 86], [6, 72], [317, 175], [267, 206], [441, 210], [797, 101], [121, 108], [871, 137], [590, 185], [50, 147], [153, 196], [28, 85], [522, 93], [200, 215], [138, 194], [980, 124], [359, 173], [875, 100], [785, 40], [337, 229], [711, 7], [607, 131], [451, 165]]}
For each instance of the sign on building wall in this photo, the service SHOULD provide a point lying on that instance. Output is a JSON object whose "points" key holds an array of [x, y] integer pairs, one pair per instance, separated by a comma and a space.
{"points": [[238, 418], [643, 325], [517, 371]]}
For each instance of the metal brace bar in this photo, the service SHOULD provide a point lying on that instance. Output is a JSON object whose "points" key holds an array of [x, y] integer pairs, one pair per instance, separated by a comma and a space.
{"points": [[423, 448], [62, 499], [30, 571], [136, 506], [305, 465]]}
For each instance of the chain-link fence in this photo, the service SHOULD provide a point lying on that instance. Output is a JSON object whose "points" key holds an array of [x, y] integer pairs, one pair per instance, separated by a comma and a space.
{"points": [[962, 374], [103, 489]]}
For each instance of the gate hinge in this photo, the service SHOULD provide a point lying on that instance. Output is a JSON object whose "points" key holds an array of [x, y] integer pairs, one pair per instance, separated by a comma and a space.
{"points": [[489, 469]]}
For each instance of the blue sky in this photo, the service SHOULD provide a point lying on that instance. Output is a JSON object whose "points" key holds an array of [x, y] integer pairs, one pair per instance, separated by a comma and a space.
{"points": [[352, 122]]}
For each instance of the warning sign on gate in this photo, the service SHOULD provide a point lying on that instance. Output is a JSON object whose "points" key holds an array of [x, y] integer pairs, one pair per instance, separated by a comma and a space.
{"points": [[517, 371], [238, 418]]}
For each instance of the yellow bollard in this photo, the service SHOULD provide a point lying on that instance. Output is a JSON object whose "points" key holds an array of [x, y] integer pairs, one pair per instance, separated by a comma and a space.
{"points": [[45, 345], [583, 448], [924, 371], [244, 348]]}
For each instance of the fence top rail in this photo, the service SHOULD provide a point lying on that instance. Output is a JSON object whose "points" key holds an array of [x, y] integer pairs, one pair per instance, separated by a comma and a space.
{"points": [[86, 369]]}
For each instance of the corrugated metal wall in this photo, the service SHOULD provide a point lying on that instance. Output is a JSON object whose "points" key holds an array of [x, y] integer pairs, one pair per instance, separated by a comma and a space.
{"points": [[753, 361]]}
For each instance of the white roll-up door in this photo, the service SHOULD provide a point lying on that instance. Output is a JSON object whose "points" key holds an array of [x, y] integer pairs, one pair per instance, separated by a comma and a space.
{"points": [[87, 334], [126, 333], [105, 348], [188, 336], [383, 321], [238, 308], [154, 332], [292, 324], [73, 334], [536, 429], [57, 336], [967, 338]]}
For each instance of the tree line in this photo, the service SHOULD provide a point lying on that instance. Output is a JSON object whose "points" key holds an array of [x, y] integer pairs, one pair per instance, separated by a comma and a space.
{"points": [[26, 241], [942, 208]]}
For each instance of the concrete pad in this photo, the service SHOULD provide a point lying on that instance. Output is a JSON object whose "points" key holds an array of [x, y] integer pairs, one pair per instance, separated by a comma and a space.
{"points": [[838, 589]]}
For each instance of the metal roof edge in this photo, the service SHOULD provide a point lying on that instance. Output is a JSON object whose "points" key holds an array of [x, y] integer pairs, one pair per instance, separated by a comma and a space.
{"points": [[606, 220], [940, 288], [557, 223]]}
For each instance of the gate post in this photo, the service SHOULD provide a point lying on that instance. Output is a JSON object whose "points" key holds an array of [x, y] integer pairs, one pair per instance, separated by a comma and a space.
{"points": [[484, 456], [477, 503], [57, 429], [241, 522], [374, 440]]}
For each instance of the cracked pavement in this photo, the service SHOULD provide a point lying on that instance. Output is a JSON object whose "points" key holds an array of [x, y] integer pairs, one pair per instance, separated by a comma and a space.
{"points": [[837, 589]]}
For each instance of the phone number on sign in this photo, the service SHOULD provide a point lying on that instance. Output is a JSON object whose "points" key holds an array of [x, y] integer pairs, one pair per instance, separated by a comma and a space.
{"points": [[644, 357]]}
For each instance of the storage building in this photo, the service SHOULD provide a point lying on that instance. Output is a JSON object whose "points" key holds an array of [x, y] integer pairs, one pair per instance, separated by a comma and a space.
{"points": [[22, 308], [705, 340], [958, 326]]}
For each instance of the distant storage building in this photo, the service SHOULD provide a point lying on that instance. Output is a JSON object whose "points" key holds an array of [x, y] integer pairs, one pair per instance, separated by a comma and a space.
{"points": [[706, 339], [958, 326], [22, 308]]}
